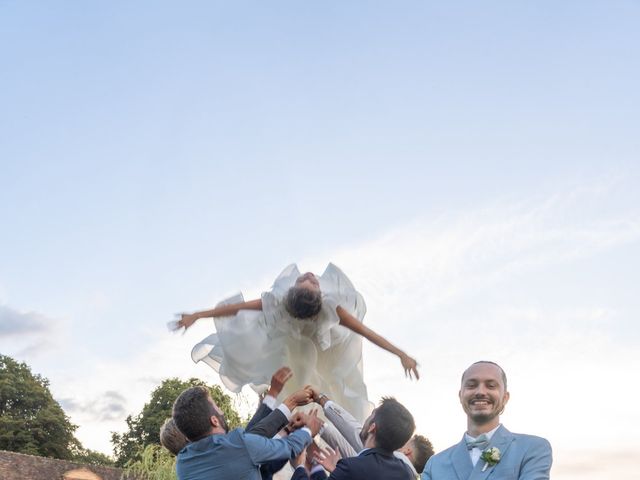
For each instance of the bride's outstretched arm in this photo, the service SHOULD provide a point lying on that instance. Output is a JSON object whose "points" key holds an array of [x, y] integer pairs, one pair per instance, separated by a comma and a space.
{"points": [[346, 319], [188, 319]]}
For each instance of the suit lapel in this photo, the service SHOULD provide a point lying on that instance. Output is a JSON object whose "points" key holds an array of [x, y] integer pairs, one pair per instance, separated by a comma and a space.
{"points": [[502, 441], [461, 460]]}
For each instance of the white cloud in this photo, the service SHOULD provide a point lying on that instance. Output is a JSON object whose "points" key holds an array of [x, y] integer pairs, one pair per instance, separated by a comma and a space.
{"points": [[108, 406], [28, 334], [13, 322]]}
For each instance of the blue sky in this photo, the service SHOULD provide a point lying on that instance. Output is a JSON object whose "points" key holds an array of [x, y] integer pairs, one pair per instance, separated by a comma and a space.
{"points": [[472, 167]]}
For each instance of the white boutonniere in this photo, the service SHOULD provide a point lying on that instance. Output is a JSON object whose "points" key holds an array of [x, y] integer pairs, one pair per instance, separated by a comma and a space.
{"points": [[491, 457]]}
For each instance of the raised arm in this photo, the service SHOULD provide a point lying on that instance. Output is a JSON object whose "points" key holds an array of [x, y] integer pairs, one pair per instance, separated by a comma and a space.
{"points": [[348, 428], [188, 319], [346, 319]]}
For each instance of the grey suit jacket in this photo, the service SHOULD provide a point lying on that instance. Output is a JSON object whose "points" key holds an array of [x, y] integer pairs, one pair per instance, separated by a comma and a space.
{"points": [[523, 457], [343, 432]]}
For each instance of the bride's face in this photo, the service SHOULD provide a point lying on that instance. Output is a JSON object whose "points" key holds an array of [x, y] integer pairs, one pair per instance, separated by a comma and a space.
{"points": [[309, 281]]}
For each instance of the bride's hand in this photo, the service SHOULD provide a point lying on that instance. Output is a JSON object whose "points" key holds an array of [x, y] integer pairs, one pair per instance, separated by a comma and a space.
{"points": [[186, 320], [410, 366]]}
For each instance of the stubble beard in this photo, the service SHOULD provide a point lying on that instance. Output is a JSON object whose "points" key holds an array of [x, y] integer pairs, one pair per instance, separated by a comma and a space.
{"points": [[223, 423], [483, 418]]}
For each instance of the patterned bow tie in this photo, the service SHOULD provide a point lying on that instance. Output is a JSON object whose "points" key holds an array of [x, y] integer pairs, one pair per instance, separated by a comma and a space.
{"points": [[481, 442]]}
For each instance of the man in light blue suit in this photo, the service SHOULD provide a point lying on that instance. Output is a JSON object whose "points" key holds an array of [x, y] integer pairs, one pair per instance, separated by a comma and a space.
{"points": [[216, 453], [483, 395]]}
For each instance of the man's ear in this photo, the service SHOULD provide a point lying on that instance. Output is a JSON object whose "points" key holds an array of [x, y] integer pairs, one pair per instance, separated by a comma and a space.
{"points": [[372, 428], [505, 400], [215, 421]]}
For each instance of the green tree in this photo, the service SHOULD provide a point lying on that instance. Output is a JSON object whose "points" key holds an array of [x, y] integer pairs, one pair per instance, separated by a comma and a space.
{"points": [[155, 463], [84, 455], [31, 421], [144, 428]]}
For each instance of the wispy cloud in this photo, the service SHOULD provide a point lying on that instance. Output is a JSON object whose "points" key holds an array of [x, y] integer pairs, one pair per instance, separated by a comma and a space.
{"points": [[13, 322], [440, 260], [27, 334], [104, 407]]}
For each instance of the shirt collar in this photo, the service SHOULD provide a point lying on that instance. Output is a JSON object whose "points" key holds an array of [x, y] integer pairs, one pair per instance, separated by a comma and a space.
{"points": [[469, 438]]}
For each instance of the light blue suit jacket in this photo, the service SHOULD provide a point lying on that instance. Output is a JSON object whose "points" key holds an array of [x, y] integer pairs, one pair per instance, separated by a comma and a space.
{"points": [[523, 457], [236, 455]]}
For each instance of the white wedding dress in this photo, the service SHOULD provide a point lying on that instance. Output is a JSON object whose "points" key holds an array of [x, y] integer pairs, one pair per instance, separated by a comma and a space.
{"points": [[250, 346]]}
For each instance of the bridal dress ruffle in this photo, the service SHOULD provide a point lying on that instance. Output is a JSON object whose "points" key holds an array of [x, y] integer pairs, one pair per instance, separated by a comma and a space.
{"points": [[250, 346]]}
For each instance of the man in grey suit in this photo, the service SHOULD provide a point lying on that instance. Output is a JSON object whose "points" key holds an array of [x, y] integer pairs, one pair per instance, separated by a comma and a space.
{"points": [[488, 450]]}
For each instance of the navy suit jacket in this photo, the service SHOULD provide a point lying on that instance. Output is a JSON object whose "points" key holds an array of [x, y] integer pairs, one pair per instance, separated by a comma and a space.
{"points": [[372, 464], [266, 423]]}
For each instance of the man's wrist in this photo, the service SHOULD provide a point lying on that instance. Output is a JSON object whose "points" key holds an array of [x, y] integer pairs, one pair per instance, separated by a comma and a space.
{"points": [[322, 399], [269, 401], [285, 410], [290, 403]]}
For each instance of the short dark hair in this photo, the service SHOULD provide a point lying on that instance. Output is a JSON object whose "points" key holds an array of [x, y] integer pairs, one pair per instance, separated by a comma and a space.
{"points": [[302, 302], [394, 424], [504, 375], [192, 412], [422, 451], [171, 437]]}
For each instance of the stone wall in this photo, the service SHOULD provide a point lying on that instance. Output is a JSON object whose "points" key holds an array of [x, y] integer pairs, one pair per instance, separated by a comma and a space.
{"points": [[18, 466]]}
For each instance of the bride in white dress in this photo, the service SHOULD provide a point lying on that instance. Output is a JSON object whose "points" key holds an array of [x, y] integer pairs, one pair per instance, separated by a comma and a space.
{"points": [[311, 324]]}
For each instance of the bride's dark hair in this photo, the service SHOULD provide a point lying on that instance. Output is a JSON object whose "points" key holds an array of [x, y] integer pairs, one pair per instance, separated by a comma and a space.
{"points": [[303, 303]]}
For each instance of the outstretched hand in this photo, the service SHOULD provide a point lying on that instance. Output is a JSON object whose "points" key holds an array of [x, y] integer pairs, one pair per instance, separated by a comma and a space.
{"points": [[410, 366], [313, 423], [278, 380], [186, 320], [328, 458]]}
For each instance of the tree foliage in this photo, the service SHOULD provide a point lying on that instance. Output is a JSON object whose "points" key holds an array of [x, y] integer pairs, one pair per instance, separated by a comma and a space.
{"points": [[144, 428], [154, 463], [31, 421], [84, 455]]}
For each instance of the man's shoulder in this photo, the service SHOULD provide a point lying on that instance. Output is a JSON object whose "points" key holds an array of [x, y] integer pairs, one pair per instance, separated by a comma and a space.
{"points": [[531, 440], [194, 448], [210, 442], [378, 460], [527, 436], [446, 453]]}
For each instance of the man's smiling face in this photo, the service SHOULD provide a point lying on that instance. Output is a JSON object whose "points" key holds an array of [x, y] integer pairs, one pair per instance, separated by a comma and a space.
{"points": [[483, 394]]}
